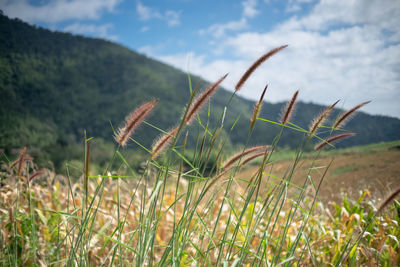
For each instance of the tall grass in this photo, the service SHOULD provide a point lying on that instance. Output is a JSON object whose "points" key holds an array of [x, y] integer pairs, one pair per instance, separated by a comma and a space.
{"points": [[179, 212]]}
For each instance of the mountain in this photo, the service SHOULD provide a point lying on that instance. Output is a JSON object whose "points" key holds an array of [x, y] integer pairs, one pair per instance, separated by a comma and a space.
{"points": [[54, 85]]}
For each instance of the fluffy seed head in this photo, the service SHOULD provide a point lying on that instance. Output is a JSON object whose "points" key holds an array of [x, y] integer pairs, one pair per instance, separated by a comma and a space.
{"points": [[162, 142], [392, 195], [255, 65], [133, 120], [289, 109], [36, 174], [229, 162], [318, 121], [201, 99], [252, 157], [332, 139], [347, 115], [257, 109]]}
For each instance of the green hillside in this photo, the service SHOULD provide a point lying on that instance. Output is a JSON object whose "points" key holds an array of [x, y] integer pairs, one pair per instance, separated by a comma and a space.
{"points": [[55, 85]]}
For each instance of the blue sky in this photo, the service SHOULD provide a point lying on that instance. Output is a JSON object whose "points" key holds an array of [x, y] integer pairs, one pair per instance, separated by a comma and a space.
{"points": [[338, 49]]}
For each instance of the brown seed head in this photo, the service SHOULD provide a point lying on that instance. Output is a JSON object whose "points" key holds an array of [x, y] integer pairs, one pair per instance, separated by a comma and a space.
{"points": [[201, 99], [347, 115], [252, 157], [36, 174], [332, 139], [318, 121], [162, 142], [257, 109], [229, 162], [289, 109], [255, 65], [133, 120], [392, 195]]}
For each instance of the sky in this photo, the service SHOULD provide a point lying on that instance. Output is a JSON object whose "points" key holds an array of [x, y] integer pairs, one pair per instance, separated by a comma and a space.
{"points": [[337, 49]]}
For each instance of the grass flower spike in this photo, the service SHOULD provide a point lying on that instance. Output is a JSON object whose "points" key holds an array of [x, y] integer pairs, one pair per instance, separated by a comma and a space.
{"points": [[257, 109], [229, 162], [162, 142], [255, 65], [332, 139], [289, 109], [318, 121], [347, 115], [201, 99], [133, 120]]}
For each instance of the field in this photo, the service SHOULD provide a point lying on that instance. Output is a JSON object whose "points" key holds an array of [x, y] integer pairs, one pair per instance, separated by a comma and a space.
{"points": [[374, 168], [49, 221]]}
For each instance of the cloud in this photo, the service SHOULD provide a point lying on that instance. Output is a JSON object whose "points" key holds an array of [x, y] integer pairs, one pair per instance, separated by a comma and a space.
{"points": [[249, 8], [348, 50], [92, 30], [57, 10], [220, 30], [146, 13], [327, 13], [172, 18], [296, 5], [144, 29]]}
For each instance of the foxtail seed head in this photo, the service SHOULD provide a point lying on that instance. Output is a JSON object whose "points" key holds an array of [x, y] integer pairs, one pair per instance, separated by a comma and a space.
{"points": [[289, 109], [332, 139], [347, 115], [257, 109], [229, 162], [318, 121], [201, 99], [255, 65], [162, 142], [133, 120], [392, 195]]}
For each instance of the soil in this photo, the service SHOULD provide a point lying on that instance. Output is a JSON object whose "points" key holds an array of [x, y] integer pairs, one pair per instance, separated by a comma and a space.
{"points": [[349, 173]]}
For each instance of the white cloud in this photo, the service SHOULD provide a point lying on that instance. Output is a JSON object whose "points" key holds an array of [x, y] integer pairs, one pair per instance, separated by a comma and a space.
{"points": [[92, 30], [296, 5], [57, 10], [327, 13], [172, 18], [144, 29], [151, 50], [146, 13], [250, 8], [348, 50], [220, 30]]}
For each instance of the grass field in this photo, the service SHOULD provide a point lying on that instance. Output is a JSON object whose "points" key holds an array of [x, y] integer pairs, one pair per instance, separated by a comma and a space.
{"points": [[42, 224], [373, 167]]}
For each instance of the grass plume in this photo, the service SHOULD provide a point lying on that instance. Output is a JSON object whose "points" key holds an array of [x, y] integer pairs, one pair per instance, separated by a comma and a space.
{"points": [[347, 115], [387, 200], [133, 120], [332, 139], [289, 109], [252, 157], [318, 121], [255, 65], [229, 162], [257, 109], [162, 142], [201, 99]]}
